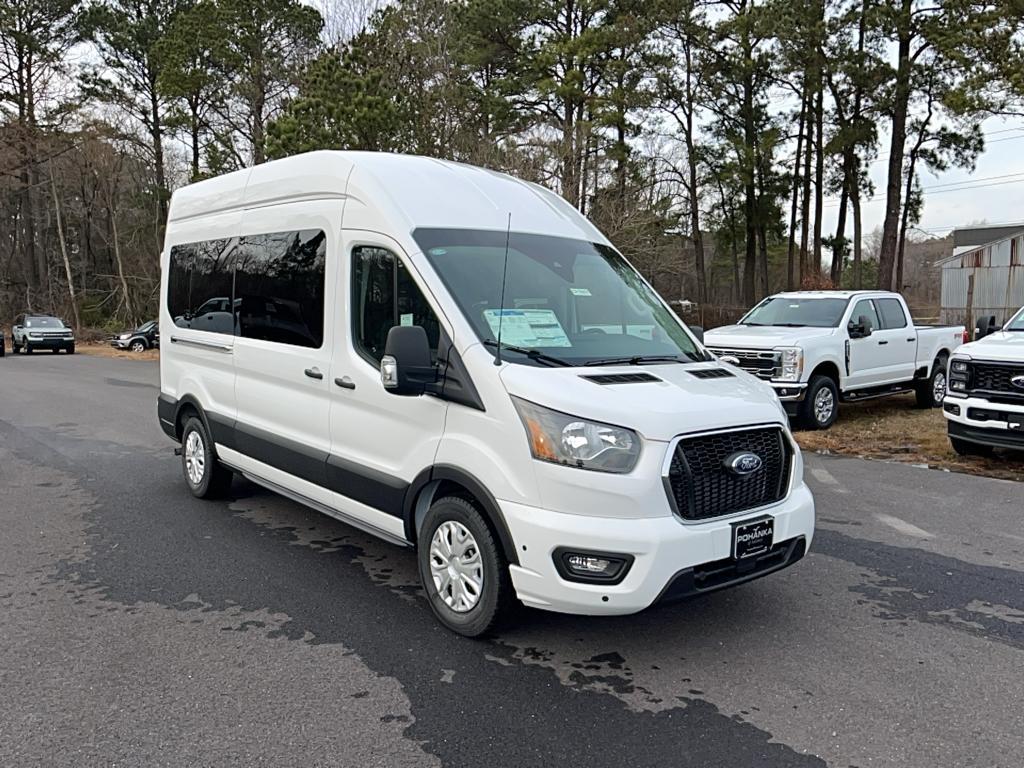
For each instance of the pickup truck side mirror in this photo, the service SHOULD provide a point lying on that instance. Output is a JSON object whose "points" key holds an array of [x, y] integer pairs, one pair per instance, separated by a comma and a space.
{"points": [[986, 325], [405, 368], [860, 329], [697, 331]]}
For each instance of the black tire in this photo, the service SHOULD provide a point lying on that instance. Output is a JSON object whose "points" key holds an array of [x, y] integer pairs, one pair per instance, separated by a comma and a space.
{"points": [[496, 597], [70, 350], [965, 448], [28, 348], [15, 347], [213, 480], [926, 391], [812, 417], [137, 345]]}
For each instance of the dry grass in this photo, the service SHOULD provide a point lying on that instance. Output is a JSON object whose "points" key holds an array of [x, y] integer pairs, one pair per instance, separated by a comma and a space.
{"points": [[101, 349], [893, 429]]}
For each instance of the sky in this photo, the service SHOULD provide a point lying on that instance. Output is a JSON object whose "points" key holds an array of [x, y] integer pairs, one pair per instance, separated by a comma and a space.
{"points": [[992, 193]]}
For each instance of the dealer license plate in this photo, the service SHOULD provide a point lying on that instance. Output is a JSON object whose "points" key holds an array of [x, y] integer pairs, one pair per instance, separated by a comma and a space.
{"points": [[752, 537]]}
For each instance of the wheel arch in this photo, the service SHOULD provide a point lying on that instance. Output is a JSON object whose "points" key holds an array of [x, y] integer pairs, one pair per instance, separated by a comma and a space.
{"points": [[443, 480], [827, 368]]}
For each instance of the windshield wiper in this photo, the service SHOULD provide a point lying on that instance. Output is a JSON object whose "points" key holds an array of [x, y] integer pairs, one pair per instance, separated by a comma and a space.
{"points": [[636, 360], [533, 354], [790, 325]]}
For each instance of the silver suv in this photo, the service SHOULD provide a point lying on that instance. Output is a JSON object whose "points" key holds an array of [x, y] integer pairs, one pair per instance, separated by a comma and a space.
{"points": [[32, 332]]}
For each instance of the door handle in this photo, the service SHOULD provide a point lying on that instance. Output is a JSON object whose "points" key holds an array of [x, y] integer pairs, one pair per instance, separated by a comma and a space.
{"points": [[882, 342], [911, 340], [314, 373], [345, 383]]}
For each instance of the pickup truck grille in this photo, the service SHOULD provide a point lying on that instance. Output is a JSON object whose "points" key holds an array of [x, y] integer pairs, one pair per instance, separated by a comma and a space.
{"points": [[763, 363], [986, 378], [701, 486]]}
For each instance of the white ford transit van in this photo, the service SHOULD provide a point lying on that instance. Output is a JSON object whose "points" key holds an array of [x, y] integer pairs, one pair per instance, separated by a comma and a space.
{"points": [[458, 361]]}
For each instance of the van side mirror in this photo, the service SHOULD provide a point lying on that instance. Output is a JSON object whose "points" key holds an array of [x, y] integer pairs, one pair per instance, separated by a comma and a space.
{"points": [[405, 368], [861, 329], [697, 331]]}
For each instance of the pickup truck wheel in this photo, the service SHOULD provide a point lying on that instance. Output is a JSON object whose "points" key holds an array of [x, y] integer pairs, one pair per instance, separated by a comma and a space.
{"points": [[462, 568], [964, 448], [71, 350], [15, 347], [820, 407], [28, 348], [931, 392], [205, 477]]}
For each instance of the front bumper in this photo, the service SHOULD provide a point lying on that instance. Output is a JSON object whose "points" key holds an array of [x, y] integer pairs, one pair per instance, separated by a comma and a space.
{"points": [[55, 343], [991, 429], [120, 343], [789, 391], [671, 559]]}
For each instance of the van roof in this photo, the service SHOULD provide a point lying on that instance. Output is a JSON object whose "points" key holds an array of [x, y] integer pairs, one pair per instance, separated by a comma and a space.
{"points": [[408, 191]]}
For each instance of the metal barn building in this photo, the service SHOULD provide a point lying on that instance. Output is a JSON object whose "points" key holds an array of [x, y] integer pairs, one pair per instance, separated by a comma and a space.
{"points": [[983, 276]]}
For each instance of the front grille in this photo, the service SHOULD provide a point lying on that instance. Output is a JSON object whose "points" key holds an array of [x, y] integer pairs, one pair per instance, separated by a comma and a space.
{"points": [[763, 363], [985, 377], [701, 486]]}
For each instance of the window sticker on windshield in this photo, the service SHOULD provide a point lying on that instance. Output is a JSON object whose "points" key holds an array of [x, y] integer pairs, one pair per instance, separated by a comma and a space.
{"points": [[580, 291], [405, 319], [527, 327]]}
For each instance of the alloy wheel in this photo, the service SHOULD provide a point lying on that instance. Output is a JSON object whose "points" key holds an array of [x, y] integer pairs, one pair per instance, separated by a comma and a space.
{"points": [[824, 405], [195, 458], [456, 566]]}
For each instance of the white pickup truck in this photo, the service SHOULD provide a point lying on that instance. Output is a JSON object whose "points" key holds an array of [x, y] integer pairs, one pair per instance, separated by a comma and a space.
{"points": [[817, 348], [984, 406]]}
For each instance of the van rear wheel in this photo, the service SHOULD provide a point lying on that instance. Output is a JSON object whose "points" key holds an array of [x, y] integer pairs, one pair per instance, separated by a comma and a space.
{"points": [[462, 568], [205, 477]]}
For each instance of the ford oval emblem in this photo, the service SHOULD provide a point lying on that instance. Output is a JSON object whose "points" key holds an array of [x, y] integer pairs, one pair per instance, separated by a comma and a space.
{"points": [[1018, 382], [743, 463]]}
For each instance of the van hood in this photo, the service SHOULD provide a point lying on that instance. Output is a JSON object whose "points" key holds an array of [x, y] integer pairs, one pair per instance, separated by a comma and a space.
{"points": [[1002, 345], [762, 336], [677, 402]]}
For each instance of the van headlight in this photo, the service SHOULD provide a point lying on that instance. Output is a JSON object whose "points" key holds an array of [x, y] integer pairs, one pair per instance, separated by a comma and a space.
{"points": [[792, 363], [560, 438]]}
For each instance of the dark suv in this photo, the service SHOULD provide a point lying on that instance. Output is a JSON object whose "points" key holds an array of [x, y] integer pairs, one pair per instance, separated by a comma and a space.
{"points": [[32, 332], [146, 336]]}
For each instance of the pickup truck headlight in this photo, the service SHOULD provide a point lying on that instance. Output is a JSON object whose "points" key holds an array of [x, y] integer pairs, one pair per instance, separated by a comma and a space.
{"points": [[560, 438], [959, 374], [792, 363], [34, 335]]}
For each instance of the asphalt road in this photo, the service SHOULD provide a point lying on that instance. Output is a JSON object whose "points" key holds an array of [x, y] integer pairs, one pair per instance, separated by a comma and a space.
{"points": [[139, 626]]}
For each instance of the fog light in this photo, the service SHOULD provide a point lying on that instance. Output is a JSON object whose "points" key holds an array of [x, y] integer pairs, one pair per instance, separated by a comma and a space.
{"points": [[951, 408], [588, 566], [959, 386]]}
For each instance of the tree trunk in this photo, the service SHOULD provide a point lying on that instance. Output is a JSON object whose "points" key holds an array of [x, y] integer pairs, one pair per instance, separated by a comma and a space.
{"points": [[904, 220], [749, 194], [819, 170], [839, 243], [805, 212], [791, 278], [64, 249], [893, 189]]}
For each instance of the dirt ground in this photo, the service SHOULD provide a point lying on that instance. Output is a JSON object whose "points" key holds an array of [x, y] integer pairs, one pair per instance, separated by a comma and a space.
{"points": [[102, 349], [893, 429]]}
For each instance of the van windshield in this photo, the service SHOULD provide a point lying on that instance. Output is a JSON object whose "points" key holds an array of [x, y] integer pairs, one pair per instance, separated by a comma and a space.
{"points": [[796, 312], [568, 302]]}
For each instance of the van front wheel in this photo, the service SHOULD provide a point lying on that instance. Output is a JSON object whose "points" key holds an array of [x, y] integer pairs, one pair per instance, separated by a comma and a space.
{"points": [[462, 569]]}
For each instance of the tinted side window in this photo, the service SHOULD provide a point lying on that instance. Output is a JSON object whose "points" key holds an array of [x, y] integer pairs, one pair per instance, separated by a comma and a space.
{"points": [[866, 308], [384, 295], [199, 286], [892, 313], [279, 287]]}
